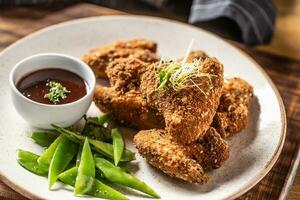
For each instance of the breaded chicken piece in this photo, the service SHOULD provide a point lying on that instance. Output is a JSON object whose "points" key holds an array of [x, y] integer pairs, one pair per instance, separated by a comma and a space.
{"points": [[123, 99], [127, 108], [178, 160], [172, 158], [211, 151], [188, 112], [233, 112], [98, 59]]}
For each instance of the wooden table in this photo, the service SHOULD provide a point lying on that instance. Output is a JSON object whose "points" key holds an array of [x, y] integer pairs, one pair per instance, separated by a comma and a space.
{"points": [[15, 23]]}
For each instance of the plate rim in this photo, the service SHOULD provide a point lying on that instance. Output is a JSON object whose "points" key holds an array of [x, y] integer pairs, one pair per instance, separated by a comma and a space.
{"points": [[252, 182]]}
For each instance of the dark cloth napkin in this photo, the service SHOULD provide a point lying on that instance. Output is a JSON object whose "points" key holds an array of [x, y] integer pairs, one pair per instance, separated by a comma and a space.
{"points": [[253, 20]]}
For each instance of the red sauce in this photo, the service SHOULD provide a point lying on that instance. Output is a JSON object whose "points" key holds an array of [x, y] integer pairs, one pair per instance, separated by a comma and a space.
{"points": [[34, 85]]}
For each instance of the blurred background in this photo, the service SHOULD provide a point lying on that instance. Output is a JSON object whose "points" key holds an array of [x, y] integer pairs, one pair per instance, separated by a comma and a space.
{"points": [[272, 26]]}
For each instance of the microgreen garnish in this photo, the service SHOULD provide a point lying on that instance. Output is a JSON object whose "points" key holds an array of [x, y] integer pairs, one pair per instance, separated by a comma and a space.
{"points": [[180, 74], [56, 92]]}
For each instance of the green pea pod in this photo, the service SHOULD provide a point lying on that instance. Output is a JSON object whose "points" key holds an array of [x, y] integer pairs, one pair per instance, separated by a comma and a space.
{"points": [[98, 190], [107, 150], [64, 153], [86, 170], [75, 137], [117, 175], [28, 160], [45, 159], [44, 139], [118, 145], [124, 166], [103, 148], [79, 155], [69, 176]]}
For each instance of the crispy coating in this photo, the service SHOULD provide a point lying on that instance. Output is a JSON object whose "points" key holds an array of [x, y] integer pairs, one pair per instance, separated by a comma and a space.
{"points": [[127, 108], [233, 111], [170, 157], [178, 160], [98, 59], [188, 112], [123, 99], [211, 151]]}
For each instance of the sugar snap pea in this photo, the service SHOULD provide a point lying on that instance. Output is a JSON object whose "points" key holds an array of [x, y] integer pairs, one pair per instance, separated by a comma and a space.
{"points": [[107, 150], [86, 170], [28, 160], [103, 148], [44, 139], [69, 176], [78, 155], [117, 175], [46, 157], [118, 145], [64, 153], [99, 189]]}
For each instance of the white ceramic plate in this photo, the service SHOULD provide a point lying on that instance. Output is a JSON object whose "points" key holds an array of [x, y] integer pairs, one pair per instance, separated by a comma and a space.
{"points": [[253, 151]]}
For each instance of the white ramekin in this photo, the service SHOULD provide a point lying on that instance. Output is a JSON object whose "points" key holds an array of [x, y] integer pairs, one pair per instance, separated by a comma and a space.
{"points": [[42, 115]]}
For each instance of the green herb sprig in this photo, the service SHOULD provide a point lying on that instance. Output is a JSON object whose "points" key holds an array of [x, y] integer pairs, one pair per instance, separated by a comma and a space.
{"points": [[56, 92], [180, 74]]}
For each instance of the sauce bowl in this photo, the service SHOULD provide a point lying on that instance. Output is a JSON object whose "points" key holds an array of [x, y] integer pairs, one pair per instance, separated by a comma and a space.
{"points": [[43, 115]]}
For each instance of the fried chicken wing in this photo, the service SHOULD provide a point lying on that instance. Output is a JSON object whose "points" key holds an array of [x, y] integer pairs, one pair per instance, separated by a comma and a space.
{"points": [[98, 59], [188, 112], [173, 159], [211, 151], [185, 162], [233, 112], [123, 99]]}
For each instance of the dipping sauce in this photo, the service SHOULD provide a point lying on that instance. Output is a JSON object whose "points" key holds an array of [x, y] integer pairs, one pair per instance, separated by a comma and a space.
{"points": [[38, 84]]}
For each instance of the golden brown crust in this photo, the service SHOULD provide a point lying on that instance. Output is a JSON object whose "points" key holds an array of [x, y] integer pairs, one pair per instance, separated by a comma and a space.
{"points": [[128, 109], [185, 162], [188, 112], [123, 99], [233, 111], [211, 151], [125, 74], [98, 59], [172, 158]]}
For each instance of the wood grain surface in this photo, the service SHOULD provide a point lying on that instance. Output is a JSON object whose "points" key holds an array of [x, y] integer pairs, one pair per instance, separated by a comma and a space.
{"points": [[18, 22]]}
